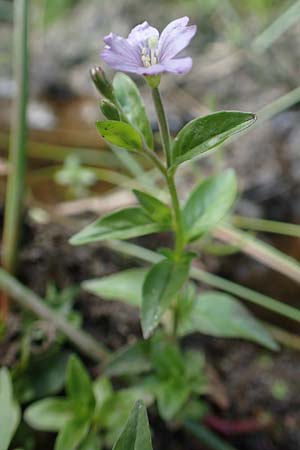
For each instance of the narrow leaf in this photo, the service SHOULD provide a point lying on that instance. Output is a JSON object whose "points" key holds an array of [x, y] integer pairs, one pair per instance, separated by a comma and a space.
{"points": [[71, 435], [49, 414], [91, 442], [171, 397], [120, 134], [163, 282], [9, 410], [136, 433], [132, 105], [79, 387], [123, 224], [166, 358], [125, 286], [205, 133], [221, 315], [209, 203], [103, 389], [157, 210]]}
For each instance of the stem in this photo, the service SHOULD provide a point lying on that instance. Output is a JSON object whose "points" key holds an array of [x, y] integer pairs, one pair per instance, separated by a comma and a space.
{"points": [[27, 299], [169, 177], [163, 124], [156, 161], [165, 137], [259, 250], [268, 226], [179, 234], [17, 154]]}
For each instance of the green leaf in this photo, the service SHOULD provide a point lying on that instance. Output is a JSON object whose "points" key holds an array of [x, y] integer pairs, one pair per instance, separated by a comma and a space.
{"points": [[79, 387], [131, 360], [158, 211], [124, 286], [71, 435], [195, 371], [166, 358], [171, 396], [103, 390], [132, 105], [123, 224], [109, 110], [205, 133], [116, 410], [163, 282], [49, 414], [9, 410], [221, 315], [209, 203], [91, 442], [136, 433], [120, 134], [44, 376]]}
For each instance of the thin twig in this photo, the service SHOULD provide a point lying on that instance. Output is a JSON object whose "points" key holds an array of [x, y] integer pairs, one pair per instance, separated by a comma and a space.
{"points": [[27, 299], [259, 250]]}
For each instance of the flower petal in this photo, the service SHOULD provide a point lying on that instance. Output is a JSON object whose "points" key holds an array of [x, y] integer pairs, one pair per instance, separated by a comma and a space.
{"points": [[156, 69], [117, 62], [141, 33], [174, 38], [180, 66], [119, 46]]}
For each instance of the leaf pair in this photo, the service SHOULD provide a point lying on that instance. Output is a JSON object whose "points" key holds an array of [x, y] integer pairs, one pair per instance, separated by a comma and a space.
{"points": [[212, 313], [195, 139]]}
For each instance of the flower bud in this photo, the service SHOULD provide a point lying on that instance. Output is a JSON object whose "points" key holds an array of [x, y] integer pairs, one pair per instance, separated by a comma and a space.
{"points": [[103, 85], [109, 110]]}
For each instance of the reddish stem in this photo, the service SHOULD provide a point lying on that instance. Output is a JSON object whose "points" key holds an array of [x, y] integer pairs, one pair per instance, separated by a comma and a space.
{"points": [[234, 427]]}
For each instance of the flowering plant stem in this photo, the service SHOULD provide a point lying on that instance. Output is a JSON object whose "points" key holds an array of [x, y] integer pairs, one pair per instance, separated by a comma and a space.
{"points": [[166, 141], [169, 177], [17, 154], [163, 124]]}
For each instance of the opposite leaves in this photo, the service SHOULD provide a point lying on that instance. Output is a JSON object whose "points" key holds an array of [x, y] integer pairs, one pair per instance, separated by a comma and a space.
{"points": [[205, 133]]}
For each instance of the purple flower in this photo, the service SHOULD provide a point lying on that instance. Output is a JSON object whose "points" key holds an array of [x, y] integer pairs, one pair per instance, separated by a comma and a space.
{"points": [[145, 52]]}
